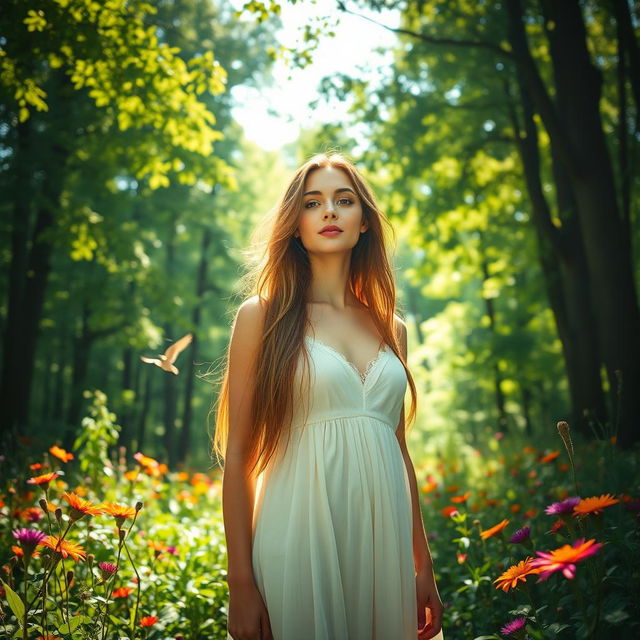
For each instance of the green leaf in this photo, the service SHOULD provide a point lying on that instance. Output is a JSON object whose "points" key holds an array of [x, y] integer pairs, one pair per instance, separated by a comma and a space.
{"points": [[15, 602]]}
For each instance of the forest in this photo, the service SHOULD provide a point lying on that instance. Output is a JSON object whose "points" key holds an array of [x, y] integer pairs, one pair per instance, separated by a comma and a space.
{"points": [[502, 140]]}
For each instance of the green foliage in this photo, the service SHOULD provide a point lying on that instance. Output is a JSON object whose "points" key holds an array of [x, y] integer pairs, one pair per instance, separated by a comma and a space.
{"points": [[99, 432]]}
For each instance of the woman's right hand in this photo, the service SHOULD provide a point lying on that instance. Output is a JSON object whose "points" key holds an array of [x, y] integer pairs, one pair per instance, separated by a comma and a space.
{"points": [[248, 618]]}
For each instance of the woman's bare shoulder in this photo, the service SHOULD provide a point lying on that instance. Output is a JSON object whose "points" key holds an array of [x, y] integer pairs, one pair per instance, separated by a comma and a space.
{"points": [[249, 320]]}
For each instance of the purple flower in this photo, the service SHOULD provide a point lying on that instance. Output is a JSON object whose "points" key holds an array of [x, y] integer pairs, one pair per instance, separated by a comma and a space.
{"points": [[29, 540], [172, 550], [521, 535], [107, 569], [514, 626], [566, 506]]}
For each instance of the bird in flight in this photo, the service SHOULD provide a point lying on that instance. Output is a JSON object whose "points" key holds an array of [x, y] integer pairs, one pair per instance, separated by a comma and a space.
{"points": [[165, 360]]}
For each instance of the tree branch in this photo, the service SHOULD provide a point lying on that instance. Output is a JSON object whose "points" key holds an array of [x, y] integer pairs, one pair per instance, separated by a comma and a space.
{"points": [[482, 44]]}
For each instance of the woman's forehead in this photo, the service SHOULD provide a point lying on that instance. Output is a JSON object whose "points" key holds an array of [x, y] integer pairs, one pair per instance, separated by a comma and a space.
{"points": [[328, 176]]}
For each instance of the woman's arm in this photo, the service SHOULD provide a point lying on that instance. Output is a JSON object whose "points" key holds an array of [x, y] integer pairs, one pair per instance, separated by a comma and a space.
{"points": [[238, 486], [421, 552]]}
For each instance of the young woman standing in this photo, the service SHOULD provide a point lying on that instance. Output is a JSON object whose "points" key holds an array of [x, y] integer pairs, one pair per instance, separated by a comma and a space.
{"points": [[325, 538]]}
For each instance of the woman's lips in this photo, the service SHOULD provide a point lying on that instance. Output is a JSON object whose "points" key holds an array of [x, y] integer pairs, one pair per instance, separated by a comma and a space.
{"points": [[331, 232]]}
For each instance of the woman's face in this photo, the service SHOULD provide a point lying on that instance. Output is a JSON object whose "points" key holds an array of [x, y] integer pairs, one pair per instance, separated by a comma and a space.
{"points": [[330, 199]]}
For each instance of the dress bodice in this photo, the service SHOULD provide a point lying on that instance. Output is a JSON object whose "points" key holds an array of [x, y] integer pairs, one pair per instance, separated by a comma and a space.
{"points": [[337, 389]]}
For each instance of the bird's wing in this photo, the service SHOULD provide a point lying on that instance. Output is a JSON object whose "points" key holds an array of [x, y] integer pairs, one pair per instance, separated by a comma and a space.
{"points": [[174, 350], [150, 360]]}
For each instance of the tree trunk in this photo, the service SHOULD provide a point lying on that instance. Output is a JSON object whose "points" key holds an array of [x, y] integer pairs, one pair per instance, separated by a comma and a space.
{"points": [[608, 251], [565, 274]]}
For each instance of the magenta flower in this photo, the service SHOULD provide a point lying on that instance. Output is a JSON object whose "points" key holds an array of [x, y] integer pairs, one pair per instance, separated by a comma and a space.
{"points": [[28, 539], [514, 626], [566, 506], [565, 558], [107, 569], [521, 535]]}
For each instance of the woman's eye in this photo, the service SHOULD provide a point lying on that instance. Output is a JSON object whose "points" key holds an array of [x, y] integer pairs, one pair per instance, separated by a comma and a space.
{"points": [[306, 206], [346, 200], [342, 201]]}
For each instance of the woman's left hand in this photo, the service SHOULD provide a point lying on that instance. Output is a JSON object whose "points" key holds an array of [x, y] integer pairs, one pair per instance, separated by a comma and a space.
{"points": [[429, 605]]}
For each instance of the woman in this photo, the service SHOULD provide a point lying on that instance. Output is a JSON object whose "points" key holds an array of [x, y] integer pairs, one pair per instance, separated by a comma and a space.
{"points": [[324, 533]]}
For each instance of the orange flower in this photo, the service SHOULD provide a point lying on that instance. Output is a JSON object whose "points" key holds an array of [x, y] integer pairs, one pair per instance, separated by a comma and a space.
{"points": [[530, 513], [64, 547], [492, 502], [514, 508], [461, 557], [550, 456], [131, 475], [557, 525], [517, 572], [594, 504], [60, 453], [121, 592], [37, 465], [44, 479], [487, 533], [447, 512], [453, 488], [461, 498], [429, 486], [19, 552], [81, 507], [148, 621], [118, 511]]}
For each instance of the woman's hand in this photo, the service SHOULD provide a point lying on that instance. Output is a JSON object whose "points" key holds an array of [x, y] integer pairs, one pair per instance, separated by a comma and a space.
{"points": [[248, 618], [429, 605]]}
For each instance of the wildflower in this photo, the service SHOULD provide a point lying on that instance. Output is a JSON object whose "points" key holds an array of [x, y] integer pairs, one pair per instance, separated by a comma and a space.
{"points": [[487, 533], [447, 512], [32, 514], [566, 506], [514, 508], [107, 569], [514, 626], [509, 579], [36, 465], [119, 512], [557, 525], [150, 465], [429, 486], [121, 592], [158, 547], [530, 513], [549, 457], [461, 498], [521, 535], [60, 453], [594, 504], [461, 557], [80, 507], [20, 553], [565, 558], [64, 547], [28, 539], [44, 479], [148, 621]]}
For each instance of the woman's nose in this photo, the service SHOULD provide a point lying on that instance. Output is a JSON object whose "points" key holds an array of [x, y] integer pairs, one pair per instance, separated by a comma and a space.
{"points": [[330, 208]]}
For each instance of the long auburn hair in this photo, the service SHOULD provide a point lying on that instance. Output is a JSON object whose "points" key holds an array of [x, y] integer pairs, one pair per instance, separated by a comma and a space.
{"points": [[280, 279]]}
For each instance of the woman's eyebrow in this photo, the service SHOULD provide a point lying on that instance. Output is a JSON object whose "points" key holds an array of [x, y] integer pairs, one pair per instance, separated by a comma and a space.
{"points": [[319, 193]]}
